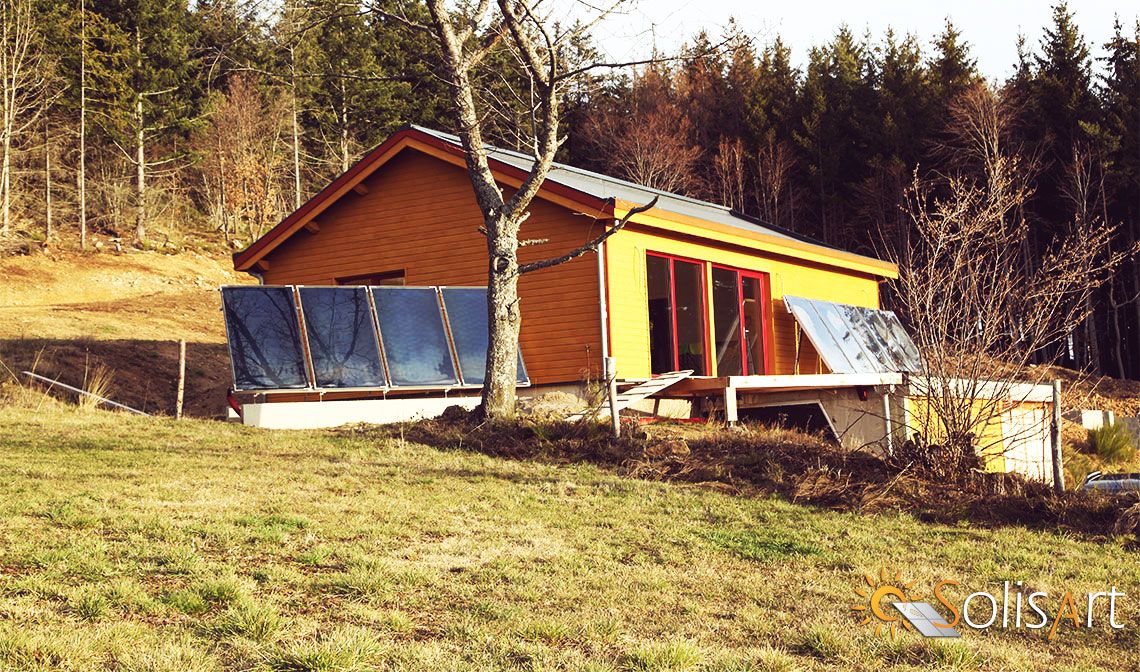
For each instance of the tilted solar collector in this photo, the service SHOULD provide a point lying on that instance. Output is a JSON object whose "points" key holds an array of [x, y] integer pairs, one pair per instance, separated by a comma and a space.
{"points": [[286, 338]]}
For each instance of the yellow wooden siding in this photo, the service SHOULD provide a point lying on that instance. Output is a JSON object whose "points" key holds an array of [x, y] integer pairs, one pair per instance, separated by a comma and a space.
{"points": [[628, 295], [991, 438]]}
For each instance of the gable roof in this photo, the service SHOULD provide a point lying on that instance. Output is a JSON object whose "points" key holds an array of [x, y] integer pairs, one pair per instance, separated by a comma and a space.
{"points": [[606, 187], [593, 191]]}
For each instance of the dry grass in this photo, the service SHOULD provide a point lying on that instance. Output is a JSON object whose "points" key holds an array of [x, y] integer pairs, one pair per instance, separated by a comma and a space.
{"points": [[135, 543], [98, 380], [144, 295], [763, 460]]}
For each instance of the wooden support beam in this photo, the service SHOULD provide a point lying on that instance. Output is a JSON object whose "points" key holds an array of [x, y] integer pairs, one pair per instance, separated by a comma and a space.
{"points": [[262, 265], [313, 226], [361, 189], [730, 414]]}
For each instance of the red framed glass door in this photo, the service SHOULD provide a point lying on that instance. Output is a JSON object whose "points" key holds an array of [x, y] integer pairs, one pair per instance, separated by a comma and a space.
{"points": [[740, 306], [677, 315]]}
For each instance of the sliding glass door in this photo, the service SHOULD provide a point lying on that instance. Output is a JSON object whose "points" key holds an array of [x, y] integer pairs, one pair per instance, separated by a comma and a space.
{"points": [[676, 314], [738, 319]]}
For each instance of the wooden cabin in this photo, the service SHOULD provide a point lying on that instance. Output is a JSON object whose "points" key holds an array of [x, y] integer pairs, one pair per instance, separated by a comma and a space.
{"points": [[686, 285]]}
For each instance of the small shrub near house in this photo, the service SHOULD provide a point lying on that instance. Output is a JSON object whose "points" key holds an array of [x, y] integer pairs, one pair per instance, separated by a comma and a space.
{"points": [[1113, 443]]}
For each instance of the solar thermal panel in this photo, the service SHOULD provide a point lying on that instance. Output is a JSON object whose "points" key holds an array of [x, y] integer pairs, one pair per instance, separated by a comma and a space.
{"points": [[264, 338]]}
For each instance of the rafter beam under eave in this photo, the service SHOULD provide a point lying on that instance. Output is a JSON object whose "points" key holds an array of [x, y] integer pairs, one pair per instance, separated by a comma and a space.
{"points": [[313, 226], [361, 189]]}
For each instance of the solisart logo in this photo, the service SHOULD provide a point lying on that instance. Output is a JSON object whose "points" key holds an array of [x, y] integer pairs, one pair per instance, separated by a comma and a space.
{"points": [[892, 605]]}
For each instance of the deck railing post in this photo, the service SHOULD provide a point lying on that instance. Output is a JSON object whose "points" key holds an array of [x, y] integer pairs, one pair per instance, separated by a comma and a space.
{"points": [[730, 411]]}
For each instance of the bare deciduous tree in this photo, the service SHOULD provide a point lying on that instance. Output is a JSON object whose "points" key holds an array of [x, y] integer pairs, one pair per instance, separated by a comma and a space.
{"points": [[244, 140], [981, 312], [650, 144], [25, 85], [466, 36], [731, 174], [774, 163]]}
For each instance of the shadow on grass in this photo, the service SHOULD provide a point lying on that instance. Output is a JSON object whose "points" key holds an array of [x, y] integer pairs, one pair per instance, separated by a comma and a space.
{"points": [[145, 373]]}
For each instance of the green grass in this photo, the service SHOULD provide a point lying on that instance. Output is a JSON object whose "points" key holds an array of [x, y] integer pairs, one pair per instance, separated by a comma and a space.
{"points": [[145, 544]]}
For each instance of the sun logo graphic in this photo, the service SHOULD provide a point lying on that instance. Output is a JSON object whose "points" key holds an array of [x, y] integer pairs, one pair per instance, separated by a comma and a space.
{"points": [[902, 611], [889, 589]]}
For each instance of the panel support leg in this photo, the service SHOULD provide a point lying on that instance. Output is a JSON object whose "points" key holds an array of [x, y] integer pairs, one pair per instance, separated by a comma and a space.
{"points": [[730, 414]]}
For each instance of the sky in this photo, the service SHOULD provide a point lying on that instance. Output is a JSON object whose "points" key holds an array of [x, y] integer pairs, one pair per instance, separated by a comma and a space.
{"points": [[991, 27]]}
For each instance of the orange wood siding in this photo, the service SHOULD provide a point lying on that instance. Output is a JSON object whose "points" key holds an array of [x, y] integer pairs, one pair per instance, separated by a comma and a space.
{"points": [[419, 215]]}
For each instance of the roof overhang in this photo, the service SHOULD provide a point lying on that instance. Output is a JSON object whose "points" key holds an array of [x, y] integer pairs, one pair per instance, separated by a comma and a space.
{"points": [[757, 240]]}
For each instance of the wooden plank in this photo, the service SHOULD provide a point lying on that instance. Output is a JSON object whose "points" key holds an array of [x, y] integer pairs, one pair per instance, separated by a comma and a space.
{"points": [[697, 386], [639, 392]]}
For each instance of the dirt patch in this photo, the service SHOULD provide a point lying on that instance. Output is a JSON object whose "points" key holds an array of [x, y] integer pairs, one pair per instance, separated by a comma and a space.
{"points": [[761, 460], [144, 373]]}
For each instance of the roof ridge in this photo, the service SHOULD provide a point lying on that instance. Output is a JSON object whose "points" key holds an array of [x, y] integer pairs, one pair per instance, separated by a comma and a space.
{"points": [[576, 169]]}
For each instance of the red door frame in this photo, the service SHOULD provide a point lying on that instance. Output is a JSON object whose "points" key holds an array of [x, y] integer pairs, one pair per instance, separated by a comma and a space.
{"points": [[703, 291], [765, 310]]}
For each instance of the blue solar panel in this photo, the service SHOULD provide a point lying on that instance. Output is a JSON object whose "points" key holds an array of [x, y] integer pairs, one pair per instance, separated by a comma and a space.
{"points": [[264, 338], [414, 338], [342, 337], [467, 314]]}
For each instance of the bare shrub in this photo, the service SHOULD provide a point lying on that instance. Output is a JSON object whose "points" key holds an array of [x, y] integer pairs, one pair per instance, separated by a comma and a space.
{"points": [[97, 380], [984, 298]]}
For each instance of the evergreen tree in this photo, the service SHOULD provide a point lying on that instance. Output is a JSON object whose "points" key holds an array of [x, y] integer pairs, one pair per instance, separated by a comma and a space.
{"points": [[1120, 137], [952, 70], [898, 134], [837, 99], [1064, 109], [772, 103]]}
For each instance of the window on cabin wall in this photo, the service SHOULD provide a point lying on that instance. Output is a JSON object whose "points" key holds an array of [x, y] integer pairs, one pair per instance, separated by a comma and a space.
{"points": [[676, 314], [380, 279], [753, 291], [726, 322]]}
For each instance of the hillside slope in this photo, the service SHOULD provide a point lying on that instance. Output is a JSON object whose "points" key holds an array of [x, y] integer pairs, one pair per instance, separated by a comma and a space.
{"points": [[69, 314]]}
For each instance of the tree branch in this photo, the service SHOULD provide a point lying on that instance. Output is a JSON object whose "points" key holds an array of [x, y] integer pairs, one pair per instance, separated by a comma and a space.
{"points": [[590, 246]]}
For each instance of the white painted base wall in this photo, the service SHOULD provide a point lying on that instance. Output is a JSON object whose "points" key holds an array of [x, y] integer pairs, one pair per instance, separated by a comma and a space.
{"points": [[322, 414]]}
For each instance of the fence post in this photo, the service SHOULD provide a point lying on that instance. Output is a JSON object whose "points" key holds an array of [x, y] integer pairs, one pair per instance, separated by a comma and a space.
{"points": [[611, 386], [1055, 439], [181, 378]]}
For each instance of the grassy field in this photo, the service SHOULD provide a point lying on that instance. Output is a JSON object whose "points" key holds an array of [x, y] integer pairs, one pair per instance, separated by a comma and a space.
{"points": [[147, 544]]}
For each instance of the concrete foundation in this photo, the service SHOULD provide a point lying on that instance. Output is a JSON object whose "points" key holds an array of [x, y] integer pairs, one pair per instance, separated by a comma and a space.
{"points": [[323, 414]]}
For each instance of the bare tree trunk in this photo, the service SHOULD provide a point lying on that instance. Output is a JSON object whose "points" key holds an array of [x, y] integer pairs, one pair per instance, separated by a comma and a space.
{"points": [[140, 150], [1092, 337], [504, 320], [296, 130], [6, 182], [1118, 337], [81, 172], [47, 183], [343, 118]]}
